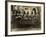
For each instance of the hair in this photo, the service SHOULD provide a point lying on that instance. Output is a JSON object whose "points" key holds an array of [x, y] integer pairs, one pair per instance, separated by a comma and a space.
{"points": [[34, 10]]}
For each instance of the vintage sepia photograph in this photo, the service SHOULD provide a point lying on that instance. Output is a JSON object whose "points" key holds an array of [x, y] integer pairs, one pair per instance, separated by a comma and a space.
{"points": [[25, 18]]}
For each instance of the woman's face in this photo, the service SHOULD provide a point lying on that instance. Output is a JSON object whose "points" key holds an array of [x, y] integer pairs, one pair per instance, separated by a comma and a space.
{"points": [[33, 13], [16, 8], [21, 9]]}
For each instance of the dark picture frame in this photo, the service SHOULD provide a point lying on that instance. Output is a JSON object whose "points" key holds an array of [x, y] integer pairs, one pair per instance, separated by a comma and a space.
{"points": [[6, 18]]}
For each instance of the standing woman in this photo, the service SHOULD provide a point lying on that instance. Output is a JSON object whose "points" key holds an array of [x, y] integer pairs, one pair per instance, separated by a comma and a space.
{"points": [[33, 15]]}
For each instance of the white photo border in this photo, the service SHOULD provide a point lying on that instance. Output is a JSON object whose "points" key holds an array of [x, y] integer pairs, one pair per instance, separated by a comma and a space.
{"points": [[8, 31]]}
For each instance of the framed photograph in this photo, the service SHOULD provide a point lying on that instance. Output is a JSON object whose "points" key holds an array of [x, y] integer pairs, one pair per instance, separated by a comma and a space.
{"points": [[24, 18]]}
